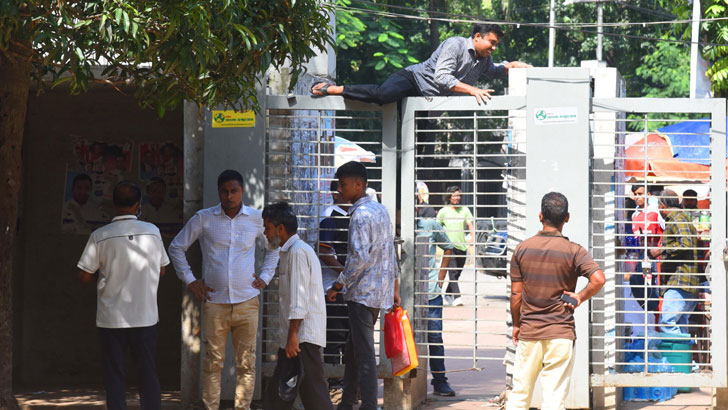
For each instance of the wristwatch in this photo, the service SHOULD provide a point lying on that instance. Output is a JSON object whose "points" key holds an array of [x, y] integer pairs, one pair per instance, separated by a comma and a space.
{"points": [[337, 286]]}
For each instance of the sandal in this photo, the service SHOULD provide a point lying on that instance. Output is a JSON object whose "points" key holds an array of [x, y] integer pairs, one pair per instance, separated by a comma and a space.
{"points": [[323, 90]]}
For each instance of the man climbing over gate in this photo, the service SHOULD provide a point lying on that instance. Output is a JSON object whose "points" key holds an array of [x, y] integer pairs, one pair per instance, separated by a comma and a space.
{"points": [[452, 69]]}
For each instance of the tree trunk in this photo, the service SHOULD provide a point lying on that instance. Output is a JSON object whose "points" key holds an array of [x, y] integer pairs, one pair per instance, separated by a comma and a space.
{"points": [[14, 87], [434, 25]]}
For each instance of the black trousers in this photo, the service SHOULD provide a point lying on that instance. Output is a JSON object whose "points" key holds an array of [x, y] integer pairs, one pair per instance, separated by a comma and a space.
{"points": [[337, 329], [312, 389], [399, 85], [360, 371], [453, 289], [142, 343]]}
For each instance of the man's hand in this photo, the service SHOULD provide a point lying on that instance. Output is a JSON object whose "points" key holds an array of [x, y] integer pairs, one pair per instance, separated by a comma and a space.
{"points": [[517, 64], [292, 348], [397, 299], [331, 294], [481, 96], [655, 252], [259, 283], [575, 296], [200, 290], [516, 334]]}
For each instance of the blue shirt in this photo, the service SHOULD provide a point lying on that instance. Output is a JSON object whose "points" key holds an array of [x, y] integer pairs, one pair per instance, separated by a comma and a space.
{"points": [[436, 236], [454, 60], [371, 264]]}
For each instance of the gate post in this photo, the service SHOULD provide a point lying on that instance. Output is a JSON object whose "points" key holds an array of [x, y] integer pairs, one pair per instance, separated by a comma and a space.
{"points": [[558, 159]]}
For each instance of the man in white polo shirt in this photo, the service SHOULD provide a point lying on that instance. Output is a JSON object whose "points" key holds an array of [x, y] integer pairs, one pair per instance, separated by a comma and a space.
{"points": [[302, 314], [126, 258], [229, 286]]}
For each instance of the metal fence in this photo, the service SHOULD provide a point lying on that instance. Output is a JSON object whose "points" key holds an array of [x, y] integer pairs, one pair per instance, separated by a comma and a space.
{"points": [[658, 223], [306, 140]]}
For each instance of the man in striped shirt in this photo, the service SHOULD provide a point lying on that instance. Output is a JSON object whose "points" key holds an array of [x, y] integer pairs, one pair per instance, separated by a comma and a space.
{"points": [[453, 69], [543, 268], [302, 314]]}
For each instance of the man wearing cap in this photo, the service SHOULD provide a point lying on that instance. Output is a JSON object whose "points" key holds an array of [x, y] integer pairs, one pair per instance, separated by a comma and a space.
{"points": [[126, 258], [302, 317]]}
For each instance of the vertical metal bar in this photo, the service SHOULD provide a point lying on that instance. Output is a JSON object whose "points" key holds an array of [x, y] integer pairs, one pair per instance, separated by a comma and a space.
{"points": [[407, 223], [645, 256], [718, 241], [475, 235]]}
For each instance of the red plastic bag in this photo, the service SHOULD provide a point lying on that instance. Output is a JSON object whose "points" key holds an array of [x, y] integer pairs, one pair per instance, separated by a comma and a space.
{"points": [[406, 359], [394, 341]]}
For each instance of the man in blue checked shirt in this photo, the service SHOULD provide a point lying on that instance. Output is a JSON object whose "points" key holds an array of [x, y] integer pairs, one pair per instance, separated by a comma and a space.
{"points": [[371, 278], [452, 69]]}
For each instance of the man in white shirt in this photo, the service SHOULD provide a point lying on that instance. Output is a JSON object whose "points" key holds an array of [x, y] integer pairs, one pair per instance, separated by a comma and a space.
{"points": [[126, 258], [302, 312], [229, 285]]}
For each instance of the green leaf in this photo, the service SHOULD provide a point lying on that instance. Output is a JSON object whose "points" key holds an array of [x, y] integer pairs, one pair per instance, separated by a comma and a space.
{"points": [[126, 21], [378, 54], [380, 65], [382, 37], [117, 15]]}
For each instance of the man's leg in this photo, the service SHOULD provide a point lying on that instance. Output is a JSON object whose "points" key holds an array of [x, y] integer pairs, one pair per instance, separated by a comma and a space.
{"points": [[453, 289], [360, 358], [245, 328], [529, 359], [436, 348], [313, 391], [216, 320], [676, 310], [143, 343], [113, 345], [271, 398], [399, 85], [558, 361]]}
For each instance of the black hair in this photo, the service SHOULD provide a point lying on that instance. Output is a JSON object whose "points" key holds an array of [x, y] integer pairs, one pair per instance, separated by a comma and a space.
{"points": [[81, 177], [126, 194], [690, 193], [485, 28], [352, 169], [229, 175], [156, 180], [281, 213], [669, 199], [450, 191], [554, 208], [655, 189], [334, 186], [636, 187]]}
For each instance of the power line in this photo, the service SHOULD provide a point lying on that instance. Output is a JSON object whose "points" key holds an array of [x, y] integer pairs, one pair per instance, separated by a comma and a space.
{"points": [[474, 19], [561, 26]]}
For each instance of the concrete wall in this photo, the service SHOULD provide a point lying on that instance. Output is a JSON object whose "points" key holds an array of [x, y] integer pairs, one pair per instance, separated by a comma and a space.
{"points": [[56, 343]]}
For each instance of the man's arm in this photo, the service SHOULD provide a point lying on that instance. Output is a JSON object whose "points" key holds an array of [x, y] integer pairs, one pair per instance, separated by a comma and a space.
{"points": [[444, 266], [596, 282], [329, 259], [270, 262], [516, 297], [86, 277], [184, 239], [292, 348]]}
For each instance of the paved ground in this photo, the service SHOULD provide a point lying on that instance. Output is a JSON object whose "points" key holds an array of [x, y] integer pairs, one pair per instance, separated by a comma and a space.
{"points": [[476, 381]]}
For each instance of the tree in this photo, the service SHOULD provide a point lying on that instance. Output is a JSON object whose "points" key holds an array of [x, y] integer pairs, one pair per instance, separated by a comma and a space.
{"points": [[211, 53]]}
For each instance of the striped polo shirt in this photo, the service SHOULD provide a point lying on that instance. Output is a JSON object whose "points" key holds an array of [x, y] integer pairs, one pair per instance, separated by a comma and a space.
{"points": [[548, 264]]}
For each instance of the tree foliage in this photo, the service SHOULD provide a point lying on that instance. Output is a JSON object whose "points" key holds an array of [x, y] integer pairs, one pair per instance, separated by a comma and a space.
{"points": [[208, 52]]}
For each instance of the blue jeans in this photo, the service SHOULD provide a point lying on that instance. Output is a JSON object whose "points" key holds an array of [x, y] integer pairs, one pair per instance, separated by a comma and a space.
{"points": [[676, 310], [434, 339]]}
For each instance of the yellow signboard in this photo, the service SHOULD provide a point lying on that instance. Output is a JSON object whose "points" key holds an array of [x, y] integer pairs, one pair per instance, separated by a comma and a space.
{"points": [[232, 119]]}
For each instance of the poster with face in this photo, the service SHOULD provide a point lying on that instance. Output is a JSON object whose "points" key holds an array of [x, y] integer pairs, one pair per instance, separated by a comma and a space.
{"points": [[161, 175], [84, 206]]}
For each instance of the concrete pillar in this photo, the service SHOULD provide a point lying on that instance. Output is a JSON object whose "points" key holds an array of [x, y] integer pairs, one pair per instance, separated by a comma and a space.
{"points": [[605, 199], [194, 139]]}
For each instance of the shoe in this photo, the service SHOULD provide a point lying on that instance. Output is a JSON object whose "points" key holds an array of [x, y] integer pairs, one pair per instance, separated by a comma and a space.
{"points": [[443, 389], [458, 301], [447, 300]]}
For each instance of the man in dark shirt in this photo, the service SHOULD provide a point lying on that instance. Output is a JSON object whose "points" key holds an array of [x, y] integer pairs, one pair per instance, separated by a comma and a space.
{"points": [[543, 268], [452, 69], [333, 245]]}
